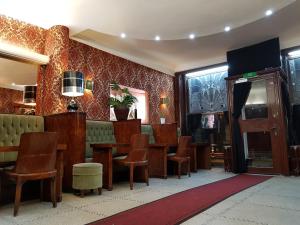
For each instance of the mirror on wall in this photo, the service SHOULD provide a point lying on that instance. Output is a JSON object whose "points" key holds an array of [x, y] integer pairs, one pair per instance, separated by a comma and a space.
{"points": [[15, 76]]}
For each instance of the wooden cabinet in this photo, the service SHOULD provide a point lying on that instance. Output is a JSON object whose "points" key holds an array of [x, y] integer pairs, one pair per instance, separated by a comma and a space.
{"points": [[263, 123], [71, 128]]}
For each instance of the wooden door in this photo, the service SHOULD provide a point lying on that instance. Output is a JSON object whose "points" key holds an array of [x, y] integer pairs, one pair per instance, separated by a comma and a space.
{"points": [[263, 126]]}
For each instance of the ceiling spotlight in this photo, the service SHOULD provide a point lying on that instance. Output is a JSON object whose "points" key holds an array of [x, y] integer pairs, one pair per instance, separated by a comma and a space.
{"points": [[192, 36], [269, 12], [13, 84], [157, 38], [227, 28], [123, 35]]}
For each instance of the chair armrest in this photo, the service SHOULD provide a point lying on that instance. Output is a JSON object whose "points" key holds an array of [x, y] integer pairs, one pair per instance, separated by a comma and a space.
{"points": [[62, 147], [9, 149], [99, 146], [158, 145]]}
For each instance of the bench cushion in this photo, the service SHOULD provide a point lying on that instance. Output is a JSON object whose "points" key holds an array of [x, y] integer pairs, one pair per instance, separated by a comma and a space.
{"points": [[11, 128]]}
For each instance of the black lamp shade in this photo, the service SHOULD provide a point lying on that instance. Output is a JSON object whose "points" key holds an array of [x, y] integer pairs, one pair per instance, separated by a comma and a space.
{"points": [[29, 94], [73, 84]]}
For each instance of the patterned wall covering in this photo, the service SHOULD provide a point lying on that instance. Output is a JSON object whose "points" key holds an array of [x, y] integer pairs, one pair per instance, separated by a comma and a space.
{"points": [[49, 98], [7, 98], [208, 93], [103, 68], [22, 34], [97, 65]]}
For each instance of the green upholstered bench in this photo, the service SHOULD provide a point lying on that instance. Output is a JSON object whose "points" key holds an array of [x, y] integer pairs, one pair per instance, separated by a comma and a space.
{"points": [[11, 128], [147, 129], [98, 132], [103, 132], [87, 176]]}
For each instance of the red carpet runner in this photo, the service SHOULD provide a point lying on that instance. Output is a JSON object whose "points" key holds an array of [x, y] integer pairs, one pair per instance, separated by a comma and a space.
{"points": [[181, 206]]}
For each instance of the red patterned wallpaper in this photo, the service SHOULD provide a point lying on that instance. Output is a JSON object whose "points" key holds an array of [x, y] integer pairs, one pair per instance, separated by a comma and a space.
{"points": [[49, 98], [7, 99], [22, 34], [103, 68], [100, 66]]}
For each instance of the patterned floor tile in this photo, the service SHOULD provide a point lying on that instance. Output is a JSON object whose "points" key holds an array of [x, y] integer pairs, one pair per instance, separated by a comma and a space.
{"points": [[263, 214], [274, 202]]}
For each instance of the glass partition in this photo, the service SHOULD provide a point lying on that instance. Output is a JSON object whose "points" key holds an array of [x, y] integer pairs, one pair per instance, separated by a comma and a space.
{"points": [[259, 149], [256, 104]]}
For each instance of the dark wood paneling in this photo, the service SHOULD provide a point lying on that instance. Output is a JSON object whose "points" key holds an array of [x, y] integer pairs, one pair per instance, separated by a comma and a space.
{"points": [[71, 127], [203, 156], [123, 130], [165, 133], [157, 158]]}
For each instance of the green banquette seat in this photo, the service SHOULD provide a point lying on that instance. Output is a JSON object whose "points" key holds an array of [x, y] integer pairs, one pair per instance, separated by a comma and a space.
{"points": [[98, 132], [11, 128]]}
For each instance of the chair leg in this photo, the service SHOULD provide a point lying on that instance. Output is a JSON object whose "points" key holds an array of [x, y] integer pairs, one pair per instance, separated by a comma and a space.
{"points": [[53, 191], [81, 193], [41, 190], [131, 176], [147, 174], [189, 167], [179, 170], [99, 191], [18, 196]]}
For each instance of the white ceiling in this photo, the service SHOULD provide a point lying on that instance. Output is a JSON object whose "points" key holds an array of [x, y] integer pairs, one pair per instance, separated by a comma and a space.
{"points": [[17, 72], [100, 22]]}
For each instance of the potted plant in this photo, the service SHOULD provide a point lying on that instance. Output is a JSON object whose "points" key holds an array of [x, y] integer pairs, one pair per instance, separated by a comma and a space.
{"points": [[121, 101]]}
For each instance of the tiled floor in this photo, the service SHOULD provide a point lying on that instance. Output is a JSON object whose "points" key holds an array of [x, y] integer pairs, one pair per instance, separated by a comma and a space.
{"points": [[274, 202]]}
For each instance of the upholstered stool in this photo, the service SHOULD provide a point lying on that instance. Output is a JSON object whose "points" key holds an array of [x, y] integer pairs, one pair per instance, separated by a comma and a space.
{"points": [[87, 176]]}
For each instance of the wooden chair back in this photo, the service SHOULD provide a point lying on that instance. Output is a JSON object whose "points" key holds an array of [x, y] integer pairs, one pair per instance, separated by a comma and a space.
{"points": [[37, 152], [184, 146], [139, 144], [123, 130]]}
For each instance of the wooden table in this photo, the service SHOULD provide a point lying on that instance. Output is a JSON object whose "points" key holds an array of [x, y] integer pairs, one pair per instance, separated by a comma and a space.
{"points": [[59, 168], [102, 153], [158, 157], [200, 156], [157, 160]]}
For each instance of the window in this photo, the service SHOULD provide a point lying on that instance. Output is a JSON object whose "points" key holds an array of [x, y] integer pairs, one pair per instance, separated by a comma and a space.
{"points": [[142, 105], [207, 90]]}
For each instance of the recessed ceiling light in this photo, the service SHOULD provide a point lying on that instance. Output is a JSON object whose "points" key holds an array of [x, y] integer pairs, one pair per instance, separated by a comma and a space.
{"points": [[227, 28], [157, 38], [269, 12], [123, 35], [13, 84], [192, 36]]}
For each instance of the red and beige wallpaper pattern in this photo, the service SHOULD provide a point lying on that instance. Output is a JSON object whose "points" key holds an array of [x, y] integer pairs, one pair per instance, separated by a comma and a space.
{"points": [[7, 99], [97, 65], [22, 34], [103, 68]]}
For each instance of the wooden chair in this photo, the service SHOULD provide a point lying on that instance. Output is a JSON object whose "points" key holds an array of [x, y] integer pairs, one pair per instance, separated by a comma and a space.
{"points": [[36, 161], [137, 156], [182, 154]]}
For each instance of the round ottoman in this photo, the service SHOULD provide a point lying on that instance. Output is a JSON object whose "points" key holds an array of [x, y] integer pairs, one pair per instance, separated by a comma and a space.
{"points": [[87, 176]]}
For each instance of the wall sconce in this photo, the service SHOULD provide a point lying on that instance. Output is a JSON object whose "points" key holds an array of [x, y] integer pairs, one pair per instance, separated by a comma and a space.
{"points": [[72, 86], [89, 85], [164, 100]]}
